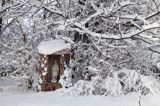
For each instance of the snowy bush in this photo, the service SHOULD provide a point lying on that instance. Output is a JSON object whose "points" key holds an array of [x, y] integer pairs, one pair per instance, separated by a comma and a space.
{"points": [[24, 64], [117, 83], [66, 78]]}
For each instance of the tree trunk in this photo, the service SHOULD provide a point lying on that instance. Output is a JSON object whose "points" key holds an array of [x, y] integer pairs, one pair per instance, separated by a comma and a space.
{"points": [[0, 25], [1, 18]]}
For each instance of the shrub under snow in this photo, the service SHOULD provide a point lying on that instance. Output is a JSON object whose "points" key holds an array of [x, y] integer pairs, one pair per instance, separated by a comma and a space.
{"points": [[117, 83]]}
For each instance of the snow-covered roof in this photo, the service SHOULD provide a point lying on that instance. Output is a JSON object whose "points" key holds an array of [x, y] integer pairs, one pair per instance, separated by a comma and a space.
{"points": [[52, 46]]}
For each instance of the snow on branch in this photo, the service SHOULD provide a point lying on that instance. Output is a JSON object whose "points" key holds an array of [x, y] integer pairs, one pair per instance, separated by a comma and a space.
{"points": [[12, 6], [135, 17], [99, 12], [152, 15], [103, 10], [60, 13], [155, 51], [117, 37], [122, 5], [44, 6]]}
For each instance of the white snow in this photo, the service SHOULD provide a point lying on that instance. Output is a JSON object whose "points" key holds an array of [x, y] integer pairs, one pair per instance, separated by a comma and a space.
{"points": [[151, 25], [44, 73], [126, 3], [45, 69], [42, 65], [8, 84], [158, 64], [52, 46], [55, 98]]}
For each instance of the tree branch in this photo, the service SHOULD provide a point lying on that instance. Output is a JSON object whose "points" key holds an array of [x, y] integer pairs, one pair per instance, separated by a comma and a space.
{"points": [[117, 37], [60, 13]]}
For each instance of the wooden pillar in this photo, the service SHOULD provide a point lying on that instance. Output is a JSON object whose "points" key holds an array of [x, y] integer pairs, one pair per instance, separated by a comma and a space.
{"points": [[43, 68], [61, 64]]}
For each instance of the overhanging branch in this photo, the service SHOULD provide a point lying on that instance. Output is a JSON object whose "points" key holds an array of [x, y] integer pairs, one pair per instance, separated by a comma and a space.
{"points": [[154, 50], [117, 37], [54, 12]]}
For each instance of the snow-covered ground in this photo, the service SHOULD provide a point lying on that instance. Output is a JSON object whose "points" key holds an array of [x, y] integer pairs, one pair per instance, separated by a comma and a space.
{"points": [[11, 97], [52, 99]]}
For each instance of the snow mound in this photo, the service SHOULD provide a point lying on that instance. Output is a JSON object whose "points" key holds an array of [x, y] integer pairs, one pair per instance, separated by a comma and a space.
{"points": [[52, 46], [8, 84]]}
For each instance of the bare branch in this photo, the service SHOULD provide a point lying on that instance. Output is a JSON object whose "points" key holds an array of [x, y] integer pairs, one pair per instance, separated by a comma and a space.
{"points": [[154, 50], [152, 15]]}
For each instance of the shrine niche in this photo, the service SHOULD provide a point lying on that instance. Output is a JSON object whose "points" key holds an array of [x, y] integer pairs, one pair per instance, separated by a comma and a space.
{"points": [[54, 56]]}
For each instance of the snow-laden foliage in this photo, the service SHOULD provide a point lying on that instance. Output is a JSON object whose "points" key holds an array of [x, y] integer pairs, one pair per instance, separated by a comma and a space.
{"points": [[18, 53], [117, 83], [24, 64], [112, 36]]}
